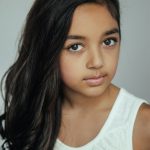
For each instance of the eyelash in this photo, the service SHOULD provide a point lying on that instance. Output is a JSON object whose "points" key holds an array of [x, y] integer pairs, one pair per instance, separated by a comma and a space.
{"points": [[70, 46], [114, 39]]}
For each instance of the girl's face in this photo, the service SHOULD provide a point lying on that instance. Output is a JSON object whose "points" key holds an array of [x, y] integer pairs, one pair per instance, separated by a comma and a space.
{"points": [[90, 55]]}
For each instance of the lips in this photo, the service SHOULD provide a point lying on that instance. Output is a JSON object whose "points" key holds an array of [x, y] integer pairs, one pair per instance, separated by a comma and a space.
{"points": [[95, 80]]}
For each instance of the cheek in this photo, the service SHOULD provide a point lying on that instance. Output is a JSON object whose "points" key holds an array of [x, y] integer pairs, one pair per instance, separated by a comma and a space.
{"points": [[68, 70], [112, 63]]}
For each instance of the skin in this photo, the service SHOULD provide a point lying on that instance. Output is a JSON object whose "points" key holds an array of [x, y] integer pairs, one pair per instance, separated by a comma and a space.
{"points": [[141, 132], [92, 48]]}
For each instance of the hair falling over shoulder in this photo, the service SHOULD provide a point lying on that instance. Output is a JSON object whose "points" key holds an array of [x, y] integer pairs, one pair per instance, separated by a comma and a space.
{"points": [[32, 85]]}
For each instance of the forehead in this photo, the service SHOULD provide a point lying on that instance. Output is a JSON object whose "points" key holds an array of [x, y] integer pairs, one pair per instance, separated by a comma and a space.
{"points": [[92, 18]]}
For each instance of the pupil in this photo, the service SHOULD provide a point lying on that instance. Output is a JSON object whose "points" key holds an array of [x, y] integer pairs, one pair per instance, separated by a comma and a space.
{"points": [[107, 42], [75, 47]]}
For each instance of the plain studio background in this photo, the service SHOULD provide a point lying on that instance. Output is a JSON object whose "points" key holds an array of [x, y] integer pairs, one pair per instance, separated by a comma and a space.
{"points": [[133, 70]]}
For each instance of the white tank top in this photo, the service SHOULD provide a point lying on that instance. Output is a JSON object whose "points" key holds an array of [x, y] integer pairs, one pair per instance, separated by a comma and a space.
{"points": [[116, 134]]}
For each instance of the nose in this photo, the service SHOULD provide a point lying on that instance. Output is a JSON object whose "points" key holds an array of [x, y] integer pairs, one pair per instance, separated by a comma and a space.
{"points": [[95, 59]]}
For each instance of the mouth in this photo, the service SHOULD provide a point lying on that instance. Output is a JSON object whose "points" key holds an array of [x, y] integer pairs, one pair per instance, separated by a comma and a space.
{"points": [[95, 80]]}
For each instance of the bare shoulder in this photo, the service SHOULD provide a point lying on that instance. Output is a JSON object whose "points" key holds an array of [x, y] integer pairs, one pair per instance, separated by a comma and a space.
{"points": [[141, 132]]}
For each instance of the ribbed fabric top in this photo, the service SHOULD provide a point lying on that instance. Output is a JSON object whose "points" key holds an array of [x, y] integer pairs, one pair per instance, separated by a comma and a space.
{"points": [[116, 133]]}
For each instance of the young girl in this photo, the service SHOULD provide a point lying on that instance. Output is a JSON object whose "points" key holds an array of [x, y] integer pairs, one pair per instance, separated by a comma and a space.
{"points": [[58, 93]]}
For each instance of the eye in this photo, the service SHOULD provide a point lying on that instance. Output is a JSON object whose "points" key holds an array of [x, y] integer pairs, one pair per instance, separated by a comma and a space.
{"points": [[75, 47], [110, 42]]}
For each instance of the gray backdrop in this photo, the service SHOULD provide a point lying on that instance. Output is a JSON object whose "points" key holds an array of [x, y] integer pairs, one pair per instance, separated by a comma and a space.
{"points": [[133, 70]]}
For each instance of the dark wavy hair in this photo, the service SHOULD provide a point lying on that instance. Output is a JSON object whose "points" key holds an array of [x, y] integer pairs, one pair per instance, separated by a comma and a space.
{"points": [[33, 89]]}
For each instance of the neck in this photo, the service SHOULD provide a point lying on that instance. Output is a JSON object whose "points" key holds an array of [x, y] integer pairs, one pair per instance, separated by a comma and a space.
{"points": [[75, 101]]}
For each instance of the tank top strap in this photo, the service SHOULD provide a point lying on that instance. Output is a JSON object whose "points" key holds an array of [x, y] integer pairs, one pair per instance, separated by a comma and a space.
{"points": [[123, 119], [117, 131]]}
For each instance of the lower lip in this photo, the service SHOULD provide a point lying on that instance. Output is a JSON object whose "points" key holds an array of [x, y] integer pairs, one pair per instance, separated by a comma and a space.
{"points": [[95, 82]]}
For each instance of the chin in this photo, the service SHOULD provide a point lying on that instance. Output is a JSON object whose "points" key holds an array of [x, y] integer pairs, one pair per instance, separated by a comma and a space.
{"points": [[94, 91]]}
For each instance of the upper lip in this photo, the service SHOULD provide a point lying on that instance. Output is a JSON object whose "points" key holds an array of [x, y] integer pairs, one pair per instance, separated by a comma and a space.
{"points": [[94, 77]]}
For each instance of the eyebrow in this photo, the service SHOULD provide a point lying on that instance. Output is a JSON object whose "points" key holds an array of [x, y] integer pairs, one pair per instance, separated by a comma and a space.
{"points": [[78, 37]]}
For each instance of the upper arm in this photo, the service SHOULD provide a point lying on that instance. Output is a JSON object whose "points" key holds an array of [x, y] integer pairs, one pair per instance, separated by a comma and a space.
{"points": [[141, 132]]}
